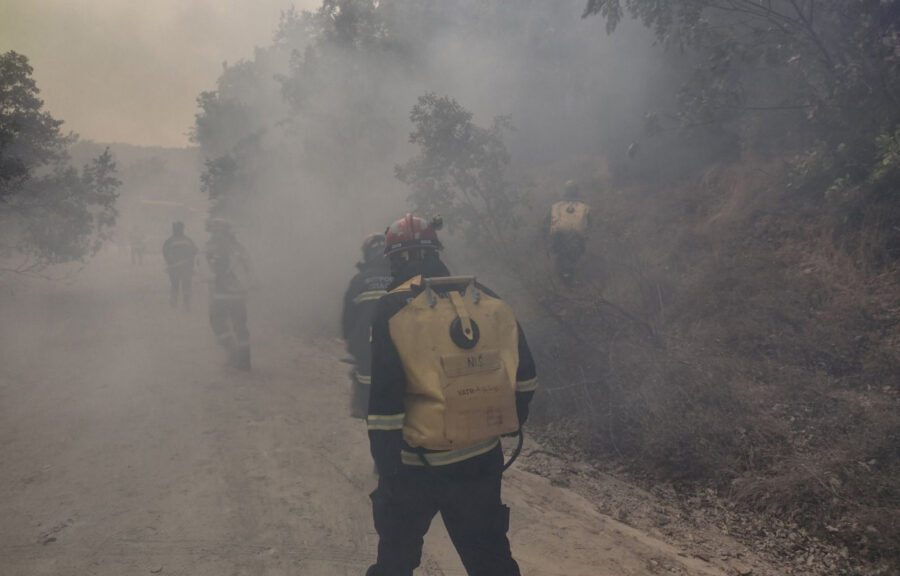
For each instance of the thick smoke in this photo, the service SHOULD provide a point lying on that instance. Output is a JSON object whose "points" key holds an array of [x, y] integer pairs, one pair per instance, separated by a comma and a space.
{"points": [[317, 121]]}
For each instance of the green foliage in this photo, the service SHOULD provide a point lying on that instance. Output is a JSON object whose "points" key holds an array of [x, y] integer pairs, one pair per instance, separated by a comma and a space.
{"points": [[221, 121], [69, 215], [815, 80], [101, 189], [228, 114], [887, 166], [51, 212], [814, 168], [313, 106], [29, 137], [222, 181], [858, 185], [338, 85], [353, 24], [328, 98], [836, 61], [459, 171]]}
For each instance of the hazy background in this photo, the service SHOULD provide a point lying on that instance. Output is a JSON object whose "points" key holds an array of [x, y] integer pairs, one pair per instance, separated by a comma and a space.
{"points": [[733, 328], [129, 70], [313, 124], [312, 112]]}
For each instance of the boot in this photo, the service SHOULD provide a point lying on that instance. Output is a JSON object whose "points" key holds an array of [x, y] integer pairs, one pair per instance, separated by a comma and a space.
{"points": [[242, 358]]}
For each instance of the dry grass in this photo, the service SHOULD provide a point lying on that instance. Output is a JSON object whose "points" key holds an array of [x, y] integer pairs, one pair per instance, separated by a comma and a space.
{"points": [[733, 343]]}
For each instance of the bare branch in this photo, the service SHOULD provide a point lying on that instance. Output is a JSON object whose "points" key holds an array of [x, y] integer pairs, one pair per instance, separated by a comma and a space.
{"points": [[810, 31]]}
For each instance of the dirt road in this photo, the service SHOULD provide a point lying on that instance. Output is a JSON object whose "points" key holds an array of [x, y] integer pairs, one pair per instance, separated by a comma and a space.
{"points": [[128, 448]]}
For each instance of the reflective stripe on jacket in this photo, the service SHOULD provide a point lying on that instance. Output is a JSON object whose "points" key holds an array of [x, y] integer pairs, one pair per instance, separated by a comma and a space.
{"points": [[366, 288]]}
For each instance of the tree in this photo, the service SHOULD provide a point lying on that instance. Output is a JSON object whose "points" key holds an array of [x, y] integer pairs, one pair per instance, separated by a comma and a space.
{"points": [[459, 171], [51, 213], [817, 81], [221, 182], [825, 58], [29, 137]]}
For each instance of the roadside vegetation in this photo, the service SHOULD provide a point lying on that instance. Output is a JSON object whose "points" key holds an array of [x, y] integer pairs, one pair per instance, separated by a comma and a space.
{"points": [[50, 211], [732, 334], [734, 331]]}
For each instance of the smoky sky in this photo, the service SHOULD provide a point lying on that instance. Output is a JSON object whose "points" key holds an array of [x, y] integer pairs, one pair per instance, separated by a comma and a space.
{"points": [[130, 70]]}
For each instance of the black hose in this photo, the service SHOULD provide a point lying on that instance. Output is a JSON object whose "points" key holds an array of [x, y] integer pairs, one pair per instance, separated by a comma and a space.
{"points": [[421, 453], [516, 452]]}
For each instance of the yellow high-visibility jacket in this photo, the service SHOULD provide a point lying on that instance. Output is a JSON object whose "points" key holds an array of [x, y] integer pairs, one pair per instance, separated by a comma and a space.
{"points": [[568, 217]]}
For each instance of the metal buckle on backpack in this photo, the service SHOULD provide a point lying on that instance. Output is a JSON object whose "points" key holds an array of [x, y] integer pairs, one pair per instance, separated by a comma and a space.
{"points": [[431, 283]]}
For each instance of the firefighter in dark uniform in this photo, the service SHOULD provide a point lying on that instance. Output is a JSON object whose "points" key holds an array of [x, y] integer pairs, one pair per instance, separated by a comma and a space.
{"points": [[366, 288], [228, 261], [451, 373], [179, 252]]}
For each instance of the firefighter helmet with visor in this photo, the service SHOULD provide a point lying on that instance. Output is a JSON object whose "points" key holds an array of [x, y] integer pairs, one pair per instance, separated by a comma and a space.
{"points": [[412, 232]]}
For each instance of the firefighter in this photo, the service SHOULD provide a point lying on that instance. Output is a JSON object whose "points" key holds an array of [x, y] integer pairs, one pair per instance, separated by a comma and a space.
{"points": [[451, 373], [569, 223], [179, 252], [367, 286], [230, 267], [138, 245]]}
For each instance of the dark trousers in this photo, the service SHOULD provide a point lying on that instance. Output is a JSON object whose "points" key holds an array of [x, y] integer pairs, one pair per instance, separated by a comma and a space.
{"points": [[359, 402], [567, 250], [467, 495], [181, 283], [228, 318]]}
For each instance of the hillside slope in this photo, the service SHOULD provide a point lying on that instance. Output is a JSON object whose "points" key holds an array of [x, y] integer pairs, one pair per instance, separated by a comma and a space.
{"points": [[718, 341]]}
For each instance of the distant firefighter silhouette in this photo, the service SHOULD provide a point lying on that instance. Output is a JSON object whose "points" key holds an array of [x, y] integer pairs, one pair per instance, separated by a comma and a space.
{"points": [[179, 252], [569, 225], [230, 267], [137, 244]]}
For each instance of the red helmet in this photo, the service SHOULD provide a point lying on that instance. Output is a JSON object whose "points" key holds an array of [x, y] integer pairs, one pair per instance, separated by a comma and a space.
{"points": [[412, 232]]}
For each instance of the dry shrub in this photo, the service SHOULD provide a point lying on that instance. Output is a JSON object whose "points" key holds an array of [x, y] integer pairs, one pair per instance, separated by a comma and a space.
{"points": [[848, 493], [704, 428], [734, 344]]}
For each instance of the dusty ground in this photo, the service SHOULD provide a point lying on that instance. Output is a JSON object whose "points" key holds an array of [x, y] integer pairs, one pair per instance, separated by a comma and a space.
{"points": [[127, 447]]}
